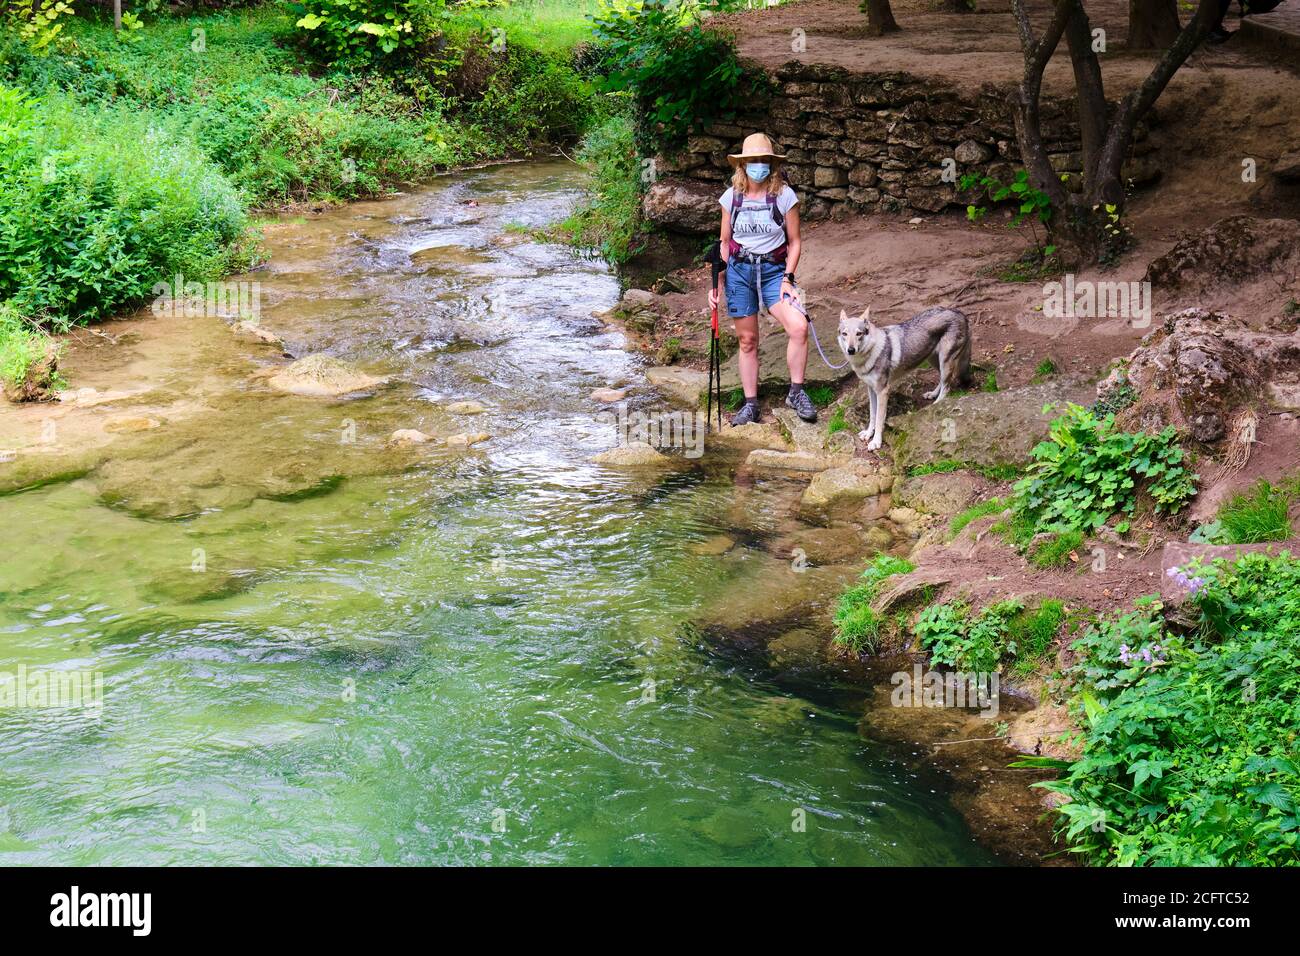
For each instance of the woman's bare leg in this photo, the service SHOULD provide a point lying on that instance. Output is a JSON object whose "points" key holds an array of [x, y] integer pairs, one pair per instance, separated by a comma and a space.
{"points": [[747, 332], [796, 350]]}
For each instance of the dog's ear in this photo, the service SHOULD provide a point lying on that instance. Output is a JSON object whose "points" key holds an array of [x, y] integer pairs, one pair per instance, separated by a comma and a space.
{"points": [[865, 318], [844, 316]]}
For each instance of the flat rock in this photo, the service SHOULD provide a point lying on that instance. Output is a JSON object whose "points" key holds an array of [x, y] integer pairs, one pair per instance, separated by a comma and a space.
{"points": [[409, 436], [938, 494], [770, 459], [253, 330], [764, 434], [89, 397], [608, 395], [466, 408], [812, 437], [465, 439], [632, 455], [131, 423], [851, 482], [322, 376], [714, 546], [982, 428], [684, 384]]}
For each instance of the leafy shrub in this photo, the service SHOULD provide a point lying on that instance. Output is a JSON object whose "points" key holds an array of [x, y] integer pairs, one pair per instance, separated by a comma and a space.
{"points": [[955, 639], [96, 206], [680, 73], [1188, 742], [21, 344], [609, 218], [1087, 470], [857, 625], [1260, 515], [355, 29]]}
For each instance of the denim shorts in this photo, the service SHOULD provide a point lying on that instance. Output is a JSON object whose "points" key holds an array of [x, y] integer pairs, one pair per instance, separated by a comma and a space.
{"points": [[742, 296]]}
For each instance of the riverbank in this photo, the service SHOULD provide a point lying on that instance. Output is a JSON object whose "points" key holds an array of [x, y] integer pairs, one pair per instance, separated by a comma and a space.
{"points": [[153, 153], [949, 489], [336, 647]]}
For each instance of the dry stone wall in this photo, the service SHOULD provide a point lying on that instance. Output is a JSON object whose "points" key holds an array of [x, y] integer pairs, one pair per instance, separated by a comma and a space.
{"points": [[877, 141]]}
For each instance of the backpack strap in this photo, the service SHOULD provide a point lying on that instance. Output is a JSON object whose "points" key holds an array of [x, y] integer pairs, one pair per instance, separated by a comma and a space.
{"points": [[774, 210]]}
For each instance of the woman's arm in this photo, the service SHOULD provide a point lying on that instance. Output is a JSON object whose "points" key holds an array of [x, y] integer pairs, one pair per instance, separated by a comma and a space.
{"points": [[792, 246], [724, 243], [792, 243]]}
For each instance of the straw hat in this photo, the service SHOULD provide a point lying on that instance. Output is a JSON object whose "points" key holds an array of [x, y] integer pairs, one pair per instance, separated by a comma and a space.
{"points": [[756, 146]]}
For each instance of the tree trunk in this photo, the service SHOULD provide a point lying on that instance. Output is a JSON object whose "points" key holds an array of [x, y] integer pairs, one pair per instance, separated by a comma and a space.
{"points": [[1082, 222], [1152, 24], [880, 18]]}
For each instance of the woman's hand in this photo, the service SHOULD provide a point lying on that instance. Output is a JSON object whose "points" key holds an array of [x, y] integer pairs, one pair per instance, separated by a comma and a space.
{"points": [[788, 290], [713, 297]]}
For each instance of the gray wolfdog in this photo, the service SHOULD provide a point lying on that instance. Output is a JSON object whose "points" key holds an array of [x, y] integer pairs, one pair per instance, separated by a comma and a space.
{"points": [[881, 355]]}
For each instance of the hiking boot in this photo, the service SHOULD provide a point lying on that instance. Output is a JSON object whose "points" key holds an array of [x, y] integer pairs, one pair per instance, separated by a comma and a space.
{"points": [[748, 413], [1220, 35], [802, 405]]}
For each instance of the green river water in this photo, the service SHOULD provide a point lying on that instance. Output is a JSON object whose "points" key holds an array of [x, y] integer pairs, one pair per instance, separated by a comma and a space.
{"points": [[444, 663]]}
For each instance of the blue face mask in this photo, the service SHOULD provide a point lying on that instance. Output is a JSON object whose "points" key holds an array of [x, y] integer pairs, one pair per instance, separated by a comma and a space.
{"points": [[757, 172]]}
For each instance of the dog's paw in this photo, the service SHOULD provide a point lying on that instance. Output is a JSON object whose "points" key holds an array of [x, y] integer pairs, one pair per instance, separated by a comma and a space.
{"points": [[931, 395], [873, 445], [864, 435]]}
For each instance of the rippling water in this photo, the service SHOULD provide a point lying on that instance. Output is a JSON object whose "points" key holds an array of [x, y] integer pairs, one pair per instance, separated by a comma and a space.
{"points": [[479, 661]]}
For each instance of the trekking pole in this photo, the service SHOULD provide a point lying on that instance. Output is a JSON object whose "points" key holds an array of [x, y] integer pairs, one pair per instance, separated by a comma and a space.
{"points": [[715, 349]]}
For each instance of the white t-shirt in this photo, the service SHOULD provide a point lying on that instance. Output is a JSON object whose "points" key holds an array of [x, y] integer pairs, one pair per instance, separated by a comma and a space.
{"points": [[753, 226]]}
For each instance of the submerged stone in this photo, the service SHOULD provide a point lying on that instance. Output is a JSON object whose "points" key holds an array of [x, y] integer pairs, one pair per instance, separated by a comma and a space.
{"points": [[323, 376]]}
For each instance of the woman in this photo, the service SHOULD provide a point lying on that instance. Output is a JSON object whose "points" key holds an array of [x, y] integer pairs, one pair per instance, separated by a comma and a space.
{"points": [[760, 244]]}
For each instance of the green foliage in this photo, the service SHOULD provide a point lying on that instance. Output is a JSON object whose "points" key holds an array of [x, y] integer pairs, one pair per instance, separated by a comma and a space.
{"points": [[1034, 632], [680, 73], [993, 472], [1118, 398], [21, 344], [990, 381], [670, 352], [1087, 471], [1188, 742], [125, 163], [837, 422], [40, 25], [1054, 550], [1030, 203], [1046, 369], [609, 217], [990, 506], [956, 639], [1260, 515], [821, 395], [857, 625], [354, 30], [96, 206]]}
